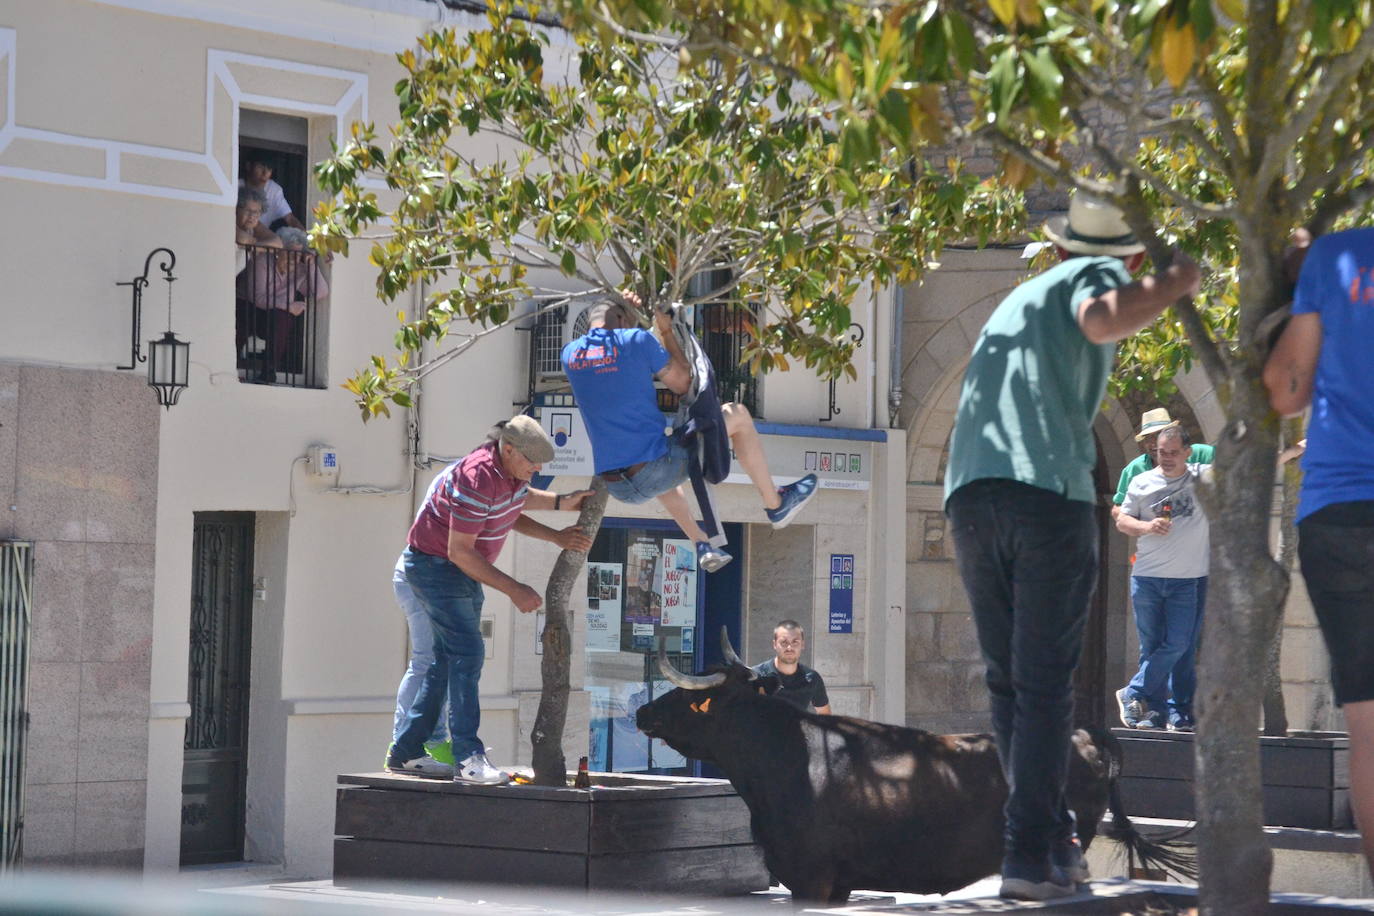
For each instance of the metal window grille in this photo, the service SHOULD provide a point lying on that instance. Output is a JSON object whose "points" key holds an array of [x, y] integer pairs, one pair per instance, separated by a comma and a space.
{"points": [[548, 342], [16, 576], [279, 319], [722, 324]]}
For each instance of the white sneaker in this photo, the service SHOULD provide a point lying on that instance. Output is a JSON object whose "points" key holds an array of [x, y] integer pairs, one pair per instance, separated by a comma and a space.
{"points": [[424, 765], [477, 769]]}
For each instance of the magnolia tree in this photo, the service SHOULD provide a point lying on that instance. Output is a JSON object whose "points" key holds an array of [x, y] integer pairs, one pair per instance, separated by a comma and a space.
{"points": [[1246, 119], [519, 170]]}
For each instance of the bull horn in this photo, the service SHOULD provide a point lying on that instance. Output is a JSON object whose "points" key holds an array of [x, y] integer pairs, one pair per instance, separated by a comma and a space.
{"points": [[685, 681], [727, 651]]}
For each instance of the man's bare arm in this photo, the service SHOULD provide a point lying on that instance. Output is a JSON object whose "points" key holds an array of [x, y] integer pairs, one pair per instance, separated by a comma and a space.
{"points": [[462, 552], [677, 375], [1292, 364], [1119, 313]]}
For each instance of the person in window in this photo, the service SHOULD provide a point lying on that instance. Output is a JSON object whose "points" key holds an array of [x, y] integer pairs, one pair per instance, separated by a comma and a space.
{"points": [[277, 287], [258, 176], [248, 227]]}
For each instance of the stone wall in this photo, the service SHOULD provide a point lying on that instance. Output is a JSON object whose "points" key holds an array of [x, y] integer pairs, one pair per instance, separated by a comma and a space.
{"points": [[78, 471]]}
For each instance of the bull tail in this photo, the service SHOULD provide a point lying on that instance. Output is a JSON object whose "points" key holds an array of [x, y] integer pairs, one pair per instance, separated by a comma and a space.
{"points": [[1163, 853]]}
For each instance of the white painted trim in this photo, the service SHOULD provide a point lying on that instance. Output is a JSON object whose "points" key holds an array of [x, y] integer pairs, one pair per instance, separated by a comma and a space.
{"points": [[352, 706], [340, 706], [9, 40], [178, 709], [217, 73], [392, 29]]}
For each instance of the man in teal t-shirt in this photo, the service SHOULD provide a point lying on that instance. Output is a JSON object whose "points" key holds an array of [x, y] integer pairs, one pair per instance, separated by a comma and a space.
{"points": [[1019, 494], [1152, 423]]}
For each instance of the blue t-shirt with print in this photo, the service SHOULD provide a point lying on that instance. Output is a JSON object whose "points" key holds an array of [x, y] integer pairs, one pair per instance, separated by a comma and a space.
{"points": [[1337, 283], [612, 375]]}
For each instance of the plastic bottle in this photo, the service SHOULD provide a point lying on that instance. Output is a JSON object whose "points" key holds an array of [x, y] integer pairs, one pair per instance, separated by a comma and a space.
{"points": [[583, 780]]}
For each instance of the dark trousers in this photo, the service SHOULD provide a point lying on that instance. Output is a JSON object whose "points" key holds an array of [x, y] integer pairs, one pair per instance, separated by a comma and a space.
{"points": [[1028, 558], [272, 325], [1336, 549]]}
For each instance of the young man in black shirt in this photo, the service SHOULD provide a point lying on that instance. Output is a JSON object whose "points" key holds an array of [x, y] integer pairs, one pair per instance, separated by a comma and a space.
{"points": [[803, 687]]}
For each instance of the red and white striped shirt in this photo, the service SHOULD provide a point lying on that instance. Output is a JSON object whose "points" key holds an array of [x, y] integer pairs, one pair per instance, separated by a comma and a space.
{"points": [[471, 496]]}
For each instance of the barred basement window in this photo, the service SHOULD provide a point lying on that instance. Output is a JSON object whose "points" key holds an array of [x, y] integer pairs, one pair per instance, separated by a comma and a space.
{"points": [[16, 576]]}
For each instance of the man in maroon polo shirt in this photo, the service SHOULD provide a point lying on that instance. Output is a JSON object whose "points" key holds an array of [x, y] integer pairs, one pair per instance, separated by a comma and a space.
{"points": [[450, 554]]}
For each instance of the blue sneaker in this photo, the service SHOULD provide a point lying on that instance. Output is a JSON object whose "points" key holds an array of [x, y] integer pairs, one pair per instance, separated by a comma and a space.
{"points": [[1133, 710], [794, 496], [709, 558], [1181, 722]]}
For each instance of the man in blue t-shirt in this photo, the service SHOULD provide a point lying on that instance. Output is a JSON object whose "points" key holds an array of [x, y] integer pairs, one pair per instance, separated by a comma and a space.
{"points": [[1323, 359], [1020, 498], [612, 370]]}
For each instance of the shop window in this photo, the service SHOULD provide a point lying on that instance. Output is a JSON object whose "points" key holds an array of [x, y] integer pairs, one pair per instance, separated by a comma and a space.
{"points": [[642, 585]]}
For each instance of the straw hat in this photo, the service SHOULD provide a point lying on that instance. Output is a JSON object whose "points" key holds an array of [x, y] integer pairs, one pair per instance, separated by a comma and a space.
{"points": [[1092, 226], [1154, 421]]}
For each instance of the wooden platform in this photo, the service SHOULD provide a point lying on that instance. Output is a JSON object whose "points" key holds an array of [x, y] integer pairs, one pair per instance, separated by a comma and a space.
{"points": [[625, 833], [1306, 777]]}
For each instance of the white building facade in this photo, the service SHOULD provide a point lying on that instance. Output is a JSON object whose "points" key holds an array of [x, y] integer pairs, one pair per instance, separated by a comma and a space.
{"points": [[213, 632]]}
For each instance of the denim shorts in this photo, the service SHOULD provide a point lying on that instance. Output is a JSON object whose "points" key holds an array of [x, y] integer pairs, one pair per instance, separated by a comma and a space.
{"points": [[1336, 549], [657, 476]]}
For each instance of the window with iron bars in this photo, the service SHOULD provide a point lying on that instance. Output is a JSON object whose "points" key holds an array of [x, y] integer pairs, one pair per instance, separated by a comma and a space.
{"points": [[16, 577], [280, 325], [722, 327]]}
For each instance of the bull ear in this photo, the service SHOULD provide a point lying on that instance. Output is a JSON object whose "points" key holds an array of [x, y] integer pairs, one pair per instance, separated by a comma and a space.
{"points": [[685, 681]]}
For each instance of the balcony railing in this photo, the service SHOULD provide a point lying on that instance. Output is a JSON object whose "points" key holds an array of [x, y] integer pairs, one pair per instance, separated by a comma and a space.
{"points": [[280, 323]]}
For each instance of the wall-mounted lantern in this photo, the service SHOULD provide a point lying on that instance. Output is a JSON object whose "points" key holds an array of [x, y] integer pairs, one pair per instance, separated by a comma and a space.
{"points": [[168, 359]]}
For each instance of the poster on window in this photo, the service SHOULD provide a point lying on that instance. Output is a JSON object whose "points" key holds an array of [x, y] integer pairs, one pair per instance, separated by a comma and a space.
{"points": [[604, 585], [642, 601], [598, 744], [679, 583]]}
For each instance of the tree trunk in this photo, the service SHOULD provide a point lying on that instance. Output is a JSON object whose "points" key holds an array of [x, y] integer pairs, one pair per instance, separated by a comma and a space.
{"points": [[550, 768], [1244, 603], [1275, 713]]}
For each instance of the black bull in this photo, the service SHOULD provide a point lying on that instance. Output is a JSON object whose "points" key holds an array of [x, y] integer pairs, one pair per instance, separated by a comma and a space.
{"points": [[841, 804]]}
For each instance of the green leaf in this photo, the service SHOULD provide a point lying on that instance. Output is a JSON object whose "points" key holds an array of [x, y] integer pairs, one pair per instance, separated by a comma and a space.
{"points": [[1046, 84]]}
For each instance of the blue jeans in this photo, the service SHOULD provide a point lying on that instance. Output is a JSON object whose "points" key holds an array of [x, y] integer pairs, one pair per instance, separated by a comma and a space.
{"points": [[1028, 558], [657, 476], [421, 655], [1168, 618], [453, 601]]}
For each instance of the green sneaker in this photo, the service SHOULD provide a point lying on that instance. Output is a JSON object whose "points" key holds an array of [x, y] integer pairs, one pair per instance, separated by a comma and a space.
{"points": [[441, 751]]}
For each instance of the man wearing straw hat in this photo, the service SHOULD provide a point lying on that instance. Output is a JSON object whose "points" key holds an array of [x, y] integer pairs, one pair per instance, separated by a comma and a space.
{"points": [[1152, 423], [1020, 498]]}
